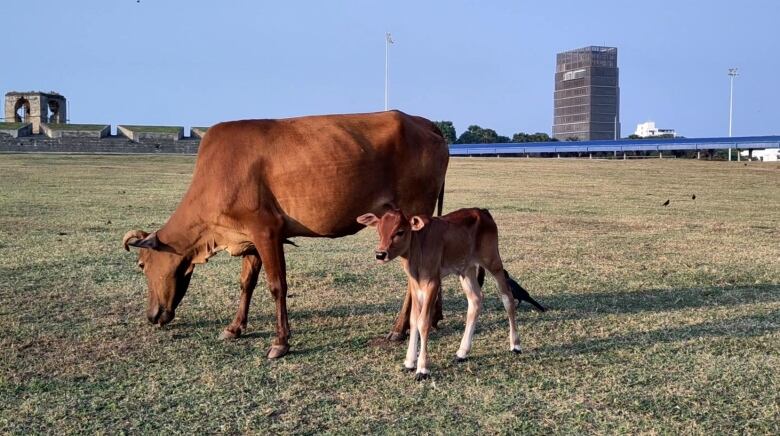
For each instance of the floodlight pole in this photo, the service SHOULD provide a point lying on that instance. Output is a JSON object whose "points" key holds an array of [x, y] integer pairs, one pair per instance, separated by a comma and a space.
{"points": [[732, 74], [388, 41]]}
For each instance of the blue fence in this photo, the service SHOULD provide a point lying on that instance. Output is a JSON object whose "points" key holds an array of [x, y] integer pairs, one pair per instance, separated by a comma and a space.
{"points": [[618, 146]]}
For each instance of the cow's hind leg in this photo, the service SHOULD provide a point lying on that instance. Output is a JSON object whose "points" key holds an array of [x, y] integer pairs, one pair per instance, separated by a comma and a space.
{"points": [[402, 321], [272, 255], [250, 270], [473, 292]]}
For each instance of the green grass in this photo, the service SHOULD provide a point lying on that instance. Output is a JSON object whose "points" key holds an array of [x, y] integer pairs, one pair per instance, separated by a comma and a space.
{"points": [[12, 126], [662, 320], [154, 129], [58, 126]]}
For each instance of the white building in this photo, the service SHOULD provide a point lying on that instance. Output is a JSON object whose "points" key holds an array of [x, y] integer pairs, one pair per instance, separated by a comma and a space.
{"points": [[766, 155], [648, 129]]}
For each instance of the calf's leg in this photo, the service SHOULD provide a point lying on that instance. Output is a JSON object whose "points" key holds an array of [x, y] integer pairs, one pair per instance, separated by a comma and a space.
{"points": [[427, 302], [470, 284], [250, 269], [502, 278], [402, 321]]}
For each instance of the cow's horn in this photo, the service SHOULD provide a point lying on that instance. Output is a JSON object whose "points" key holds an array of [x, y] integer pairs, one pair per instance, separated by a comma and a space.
{"points": [[133, 236]]}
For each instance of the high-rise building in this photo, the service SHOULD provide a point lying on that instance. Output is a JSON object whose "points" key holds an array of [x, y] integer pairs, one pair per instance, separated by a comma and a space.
{"points": [[587, 95]]}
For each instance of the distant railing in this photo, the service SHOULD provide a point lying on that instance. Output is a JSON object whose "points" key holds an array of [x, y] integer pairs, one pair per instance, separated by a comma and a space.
{"points": [[619, 146]]}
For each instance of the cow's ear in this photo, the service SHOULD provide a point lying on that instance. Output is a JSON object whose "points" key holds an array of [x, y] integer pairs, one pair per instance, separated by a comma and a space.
{"points": [[150, 241], [368, 219], [133, 237], [417, 223]]}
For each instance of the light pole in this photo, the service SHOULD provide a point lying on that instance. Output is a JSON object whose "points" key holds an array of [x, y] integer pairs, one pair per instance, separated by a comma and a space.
{"points": [[732, 74], [388, 41]]}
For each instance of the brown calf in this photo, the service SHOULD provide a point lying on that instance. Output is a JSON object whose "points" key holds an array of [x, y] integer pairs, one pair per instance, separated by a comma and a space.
{"points": [[433, 248]]}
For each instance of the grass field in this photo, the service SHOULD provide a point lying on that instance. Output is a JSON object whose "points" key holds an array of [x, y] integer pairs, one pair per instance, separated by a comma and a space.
{"points": [[662, 320]]}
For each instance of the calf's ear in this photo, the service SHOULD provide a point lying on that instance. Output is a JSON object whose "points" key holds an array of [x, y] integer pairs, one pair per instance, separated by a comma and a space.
{"points": [[368, 219], [417, 223]]}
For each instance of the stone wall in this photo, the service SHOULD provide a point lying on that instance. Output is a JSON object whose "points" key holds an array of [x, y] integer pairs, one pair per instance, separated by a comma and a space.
{"points": [[111, 144]]}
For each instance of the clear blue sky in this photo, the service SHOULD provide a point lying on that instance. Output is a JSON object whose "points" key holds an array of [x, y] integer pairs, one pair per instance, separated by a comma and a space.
{"points": [[473, 62]]}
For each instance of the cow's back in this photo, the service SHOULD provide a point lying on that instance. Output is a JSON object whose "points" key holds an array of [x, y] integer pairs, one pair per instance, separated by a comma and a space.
{"points": [[320, 172]]}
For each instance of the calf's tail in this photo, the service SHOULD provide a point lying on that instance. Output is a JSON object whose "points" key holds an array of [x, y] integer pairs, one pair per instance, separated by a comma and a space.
{"points": [[521, 294]]}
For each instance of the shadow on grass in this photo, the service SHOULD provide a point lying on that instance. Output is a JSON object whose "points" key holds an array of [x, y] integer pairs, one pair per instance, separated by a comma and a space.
{"points": [[585, 305]]}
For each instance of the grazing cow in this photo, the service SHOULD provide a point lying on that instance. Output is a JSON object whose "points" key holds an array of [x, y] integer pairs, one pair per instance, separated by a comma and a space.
{"points": [[433, 248], [259, 182]]}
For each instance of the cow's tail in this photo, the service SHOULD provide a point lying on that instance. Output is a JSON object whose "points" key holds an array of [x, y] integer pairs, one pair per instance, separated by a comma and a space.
{"points": [[440, 201], [521, 294]]}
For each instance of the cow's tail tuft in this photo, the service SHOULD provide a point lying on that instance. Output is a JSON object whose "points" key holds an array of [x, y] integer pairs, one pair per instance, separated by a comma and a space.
{"points": [[521, 294]]}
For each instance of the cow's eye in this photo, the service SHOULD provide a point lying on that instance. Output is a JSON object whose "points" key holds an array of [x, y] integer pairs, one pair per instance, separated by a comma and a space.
{"points": [[399, 233], [141, 265]]}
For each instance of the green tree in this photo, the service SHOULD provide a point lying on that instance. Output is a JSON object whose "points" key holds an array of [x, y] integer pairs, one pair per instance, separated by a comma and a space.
{"points": [[536, 137], [447, 130], [478, 135]]}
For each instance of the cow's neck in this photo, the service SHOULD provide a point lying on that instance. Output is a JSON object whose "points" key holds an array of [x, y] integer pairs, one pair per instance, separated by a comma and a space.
{"points": [[189, 235]]}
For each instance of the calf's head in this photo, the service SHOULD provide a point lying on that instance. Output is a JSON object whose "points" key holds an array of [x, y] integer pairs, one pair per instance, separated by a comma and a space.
{"points": [[395, 232], [167, 274]]}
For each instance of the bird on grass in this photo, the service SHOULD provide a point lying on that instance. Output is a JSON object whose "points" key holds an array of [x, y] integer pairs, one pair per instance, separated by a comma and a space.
{"points": [[666, 203], [693, 197]]}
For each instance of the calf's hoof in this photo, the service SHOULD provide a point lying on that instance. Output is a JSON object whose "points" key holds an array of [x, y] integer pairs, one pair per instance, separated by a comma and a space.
{"points": [[395, 336], [277, 351], [460, 359], [420, 376], [517, 351], [228, 335]]}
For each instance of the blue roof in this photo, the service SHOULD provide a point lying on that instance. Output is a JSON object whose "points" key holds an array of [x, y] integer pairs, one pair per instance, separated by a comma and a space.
{"points": [[665, 144]]}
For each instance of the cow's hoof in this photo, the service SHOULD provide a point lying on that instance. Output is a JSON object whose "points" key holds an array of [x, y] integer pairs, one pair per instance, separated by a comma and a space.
{"points": [[517, 351], [228, 335], [460, 359], [395, 336], [420, 376], [277, 351]]}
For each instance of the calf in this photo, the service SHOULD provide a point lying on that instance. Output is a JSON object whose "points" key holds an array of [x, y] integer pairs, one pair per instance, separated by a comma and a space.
{"points": [[433, 248]]}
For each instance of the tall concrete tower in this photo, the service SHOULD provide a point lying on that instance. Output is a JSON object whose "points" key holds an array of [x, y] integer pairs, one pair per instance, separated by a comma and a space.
{"points": [[587, 96]]}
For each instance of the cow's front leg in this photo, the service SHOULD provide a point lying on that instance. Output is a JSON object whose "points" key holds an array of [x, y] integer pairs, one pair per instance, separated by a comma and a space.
{"points": [[250, 270], [272, 255], [402, 321], [427, 297]]}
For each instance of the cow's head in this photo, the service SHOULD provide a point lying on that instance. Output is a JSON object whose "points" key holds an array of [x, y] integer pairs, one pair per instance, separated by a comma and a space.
{"points": [[167, 274], [395, 232]]}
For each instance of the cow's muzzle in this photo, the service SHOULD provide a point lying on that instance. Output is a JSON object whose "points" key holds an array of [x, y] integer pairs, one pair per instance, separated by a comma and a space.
{"points": [[160, 316]]}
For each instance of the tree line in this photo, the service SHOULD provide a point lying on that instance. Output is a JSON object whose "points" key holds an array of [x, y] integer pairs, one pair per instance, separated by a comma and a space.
{"points": [[478, 135]]}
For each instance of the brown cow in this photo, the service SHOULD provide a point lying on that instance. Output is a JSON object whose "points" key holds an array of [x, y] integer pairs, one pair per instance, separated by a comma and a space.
{"points": [[433, 248], [259, 182]]}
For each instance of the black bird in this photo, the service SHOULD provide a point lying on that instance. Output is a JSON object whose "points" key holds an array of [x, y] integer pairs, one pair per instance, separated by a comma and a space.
{"points": [[693, 197], [666, 203], [521, 294]]}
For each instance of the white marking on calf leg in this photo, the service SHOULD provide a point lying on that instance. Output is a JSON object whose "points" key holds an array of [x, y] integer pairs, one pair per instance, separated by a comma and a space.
{"points": [[473, 293], [411, 351], [424, 326]]}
